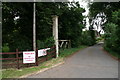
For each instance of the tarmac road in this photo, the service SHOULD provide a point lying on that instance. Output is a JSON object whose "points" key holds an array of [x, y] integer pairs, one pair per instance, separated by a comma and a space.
{"points": [[91, 62]]}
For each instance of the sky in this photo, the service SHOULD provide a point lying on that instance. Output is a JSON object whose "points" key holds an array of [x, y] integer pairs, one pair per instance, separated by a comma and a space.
{"points": [[84, 4]]}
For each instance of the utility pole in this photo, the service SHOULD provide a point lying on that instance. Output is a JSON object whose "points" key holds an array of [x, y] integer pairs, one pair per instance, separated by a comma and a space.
{"points": [[55, 33], [34, 26]]}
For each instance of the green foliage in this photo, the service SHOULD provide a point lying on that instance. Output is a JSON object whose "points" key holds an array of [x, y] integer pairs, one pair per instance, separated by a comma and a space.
{"points": [[88, 38], [71, 25], [5, 48], [112, 26], [112, 35], [98, 39], [15, 73], [19, 32], [49, 42], [40, 44], [21, 43], [112, 52], [68, 52], [106, 7]]}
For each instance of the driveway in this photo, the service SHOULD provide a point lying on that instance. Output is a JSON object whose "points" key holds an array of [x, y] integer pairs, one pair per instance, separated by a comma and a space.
{"points": [[91, 62]]}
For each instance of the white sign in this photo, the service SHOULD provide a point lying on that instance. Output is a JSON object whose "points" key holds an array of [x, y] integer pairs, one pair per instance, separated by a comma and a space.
{"points": [[29, 57], [42, 52], [47, 49]]}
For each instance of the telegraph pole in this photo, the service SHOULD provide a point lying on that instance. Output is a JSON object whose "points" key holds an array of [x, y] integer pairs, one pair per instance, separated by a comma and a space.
{"points": [[55, 33], [34, 26]]}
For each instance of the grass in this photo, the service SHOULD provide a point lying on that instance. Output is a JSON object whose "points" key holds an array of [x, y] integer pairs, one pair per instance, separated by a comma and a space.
{"points": [[66, 52], [15, 73], [112, 53]]}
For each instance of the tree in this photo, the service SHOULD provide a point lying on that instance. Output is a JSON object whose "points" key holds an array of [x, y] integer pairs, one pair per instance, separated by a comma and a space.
{"points": [[18, 23], [111, 26]]}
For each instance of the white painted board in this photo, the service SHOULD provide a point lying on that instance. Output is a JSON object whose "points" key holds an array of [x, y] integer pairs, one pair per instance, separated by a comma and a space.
{"points": [[29, 57], [42, 52]]}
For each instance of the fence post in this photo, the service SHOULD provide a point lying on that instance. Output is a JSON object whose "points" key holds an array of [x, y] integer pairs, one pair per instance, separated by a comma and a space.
{"points": [[54, 52], [17, 58], [36, 57], [69, 43]]}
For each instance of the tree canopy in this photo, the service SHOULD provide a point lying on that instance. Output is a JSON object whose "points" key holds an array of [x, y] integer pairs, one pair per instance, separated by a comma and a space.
{"points": [[18, 22], [111, 27]]}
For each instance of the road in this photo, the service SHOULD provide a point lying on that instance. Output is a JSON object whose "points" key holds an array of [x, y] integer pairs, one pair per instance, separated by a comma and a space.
{"points": [[91, 62]]}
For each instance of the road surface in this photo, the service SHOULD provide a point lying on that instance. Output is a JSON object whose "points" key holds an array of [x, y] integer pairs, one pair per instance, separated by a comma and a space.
{"points": [[91, 62]]}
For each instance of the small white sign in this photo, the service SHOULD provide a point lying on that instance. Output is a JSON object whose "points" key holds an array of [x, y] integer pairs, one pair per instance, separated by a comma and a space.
{"points": [[47, 49], [42, 52], [29, 57]]}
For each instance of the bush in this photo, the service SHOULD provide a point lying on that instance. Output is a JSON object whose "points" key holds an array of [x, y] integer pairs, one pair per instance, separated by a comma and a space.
{"points": [[5, 48], [99, 39], [49, 42], [21, 43], [110, 36], [87, 39], [40, 44]]}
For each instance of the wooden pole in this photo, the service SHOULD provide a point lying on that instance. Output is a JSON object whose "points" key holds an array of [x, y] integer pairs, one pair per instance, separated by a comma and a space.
{"points": [[17, 56], [34, 27], [55, 33], [36, 57]]}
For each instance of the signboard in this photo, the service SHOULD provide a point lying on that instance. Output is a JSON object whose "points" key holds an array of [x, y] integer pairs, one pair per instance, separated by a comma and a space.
{"points": [[42, 52], [29, 57]]}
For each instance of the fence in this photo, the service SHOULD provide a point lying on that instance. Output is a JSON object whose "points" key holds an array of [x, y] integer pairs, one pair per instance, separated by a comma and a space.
{"points": [[64, 43], [16, 59]]}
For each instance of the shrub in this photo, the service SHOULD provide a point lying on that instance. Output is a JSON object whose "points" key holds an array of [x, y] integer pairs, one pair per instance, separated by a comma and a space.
{"points": [[110, 36], [21, 43], [49, 42], [5, 48], [40, 44], [87, 39]]}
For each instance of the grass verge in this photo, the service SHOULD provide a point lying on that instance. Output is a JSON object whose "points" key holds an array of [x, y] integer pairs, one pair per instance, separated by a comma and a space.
{"points": [[15, 73], [112, 53], [67, 52]]}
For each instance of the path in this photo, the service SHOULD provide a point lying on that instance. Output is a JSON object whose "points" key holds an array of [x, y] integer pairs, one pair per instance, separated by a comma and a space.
{"points": [[91, 62]]}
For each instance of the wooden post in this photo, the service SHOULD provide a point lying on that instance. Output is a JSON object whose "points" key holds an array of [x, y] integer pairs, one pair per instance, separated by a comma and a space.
{"points": [[17, 56], [55, 51], [34, 27], [69, 43], [55, 33], [36, 57], [66, 44]]}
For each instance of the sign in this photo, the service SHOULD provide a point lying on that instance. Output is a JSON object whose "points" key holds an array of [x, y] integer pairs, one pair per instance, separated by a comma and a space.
{"points": [[42, 52], [47, 49], [29, 57]]}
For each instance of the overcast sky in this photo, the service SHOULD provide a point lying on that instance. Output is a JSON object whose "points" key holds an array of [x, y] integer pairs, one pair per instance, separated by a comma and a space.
{"points": [[84, 4]]}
